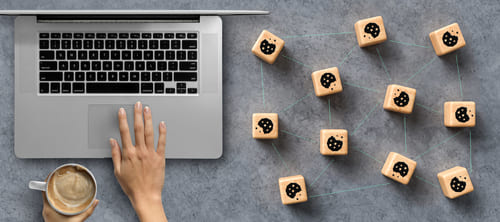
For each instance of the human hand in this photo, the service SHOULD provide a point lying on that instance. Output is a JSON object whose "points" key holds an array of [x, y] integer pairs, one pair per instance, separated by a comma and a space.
{"points": [[140, 169], [50, 215]]}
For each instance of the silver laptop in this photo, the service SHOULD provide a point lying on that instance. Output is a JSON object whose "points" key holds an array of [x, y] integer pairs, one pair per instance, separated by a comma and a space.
{"points": [[75, 69]]}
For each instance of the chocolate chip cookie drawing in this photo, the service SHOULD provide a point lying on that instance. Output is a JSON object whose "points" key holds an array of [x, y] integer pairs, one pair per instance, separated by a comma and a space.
{"points": [[401, 168], [266, 125], [449, 39], [292, 189], [402, 100], [461, 114], [373, 29], [333, 144], [267, 47], [457, 185], [327, 79]]}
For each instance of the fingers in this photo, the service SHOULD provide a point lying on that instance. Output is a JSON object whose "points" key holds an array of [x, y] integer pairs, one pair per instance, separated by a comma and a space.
{"points": [[162, 139], [138, 125], [124, 130], [91, 209], [116, 154], [148, 128]]}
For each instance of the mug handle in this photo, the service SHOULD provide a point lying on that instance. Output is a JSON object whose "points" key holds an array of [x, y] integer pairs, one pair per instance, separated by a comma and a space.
{"points": [[37, 185]]}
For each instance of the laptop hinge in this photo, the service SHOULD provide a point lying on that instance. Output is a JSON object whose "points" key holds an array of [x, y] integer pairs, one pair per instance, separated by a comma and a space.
{"points": [[118, 18]]}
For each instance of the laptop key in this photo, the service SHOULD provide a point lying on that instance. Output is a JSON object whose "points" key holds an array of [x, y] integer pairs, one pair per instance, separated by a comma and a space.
{"points": [[181, 90], [44, 65], [129, 66], [135, 35], [123, 76], [172, 66], [189, 44], [89, 35], [44, 35], [44, 87], [167, 76], [79, 76], [88, 44], [118, 66], [101, 35], [146, 87], [123, 35], [77, 44], [82, 55], [74, 65], [67, 35], [148, 55], [175, 44], [63, 65], [126, 55], [156, 76], [71, 55], [137, 55], [180, 35], [107, 65], [145, 76], [192, 55], [188, 66], [90, 76], [46, 55], [55, 44], [134, 76], [78, 87], [110, 44], [131, 44], [192, 90], [66, 87], [104, 55], [143, 44], [112, 87], [101, 76], [169, 90], [51, 76], [153, 44], [164, 44], [169, 35], [96, 65], [55, 87], [55, 35], [146, 35], [68, 76], [192, 35], [181, 55], [99, 44], [112, 76], [115, 55], [93, 55], [181, 85], [151, 66], [162, 66], [112, 35], [185, 76], [66, 44], [169, 55], [121, 44], [157, 35], [77, 35], [159, 87], [43, 44], [85, 65], [139, 66]]}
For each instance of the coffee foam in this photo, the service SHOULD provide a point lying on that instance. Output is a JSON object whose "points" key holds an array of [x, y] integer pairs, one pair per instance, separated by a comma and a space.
{"points": [[71, 189]]}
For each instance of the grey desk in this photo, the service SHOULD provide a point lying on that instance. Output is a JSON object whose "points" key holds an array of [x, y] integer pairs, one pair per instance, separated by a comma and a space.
{"points": [[243, 184]]}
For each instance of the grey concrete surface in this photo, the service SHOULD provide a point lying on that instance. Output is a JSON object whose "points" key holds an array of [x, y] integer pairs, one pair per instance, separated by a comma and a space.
{"points": [[243, 184]]}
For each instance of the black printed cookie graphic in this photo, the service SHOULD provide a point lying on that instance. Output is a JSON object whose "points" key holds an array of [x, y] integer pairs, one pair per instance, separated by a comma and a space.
{"points": [[373, 29], [457, 185], [292, 189], [333, 144], [266, 125], [402, 100], [461, 114], [327, 79], [449, 39], [401, 168], [267, 47]]}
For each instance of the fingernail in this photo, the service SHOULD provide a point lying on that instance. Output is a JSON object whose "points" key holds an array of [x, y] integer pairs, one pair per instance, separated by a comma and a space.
{"points": [[122, 111], [147, 109], [138, 104], [112, 141], [96, 202], [162, 125]]}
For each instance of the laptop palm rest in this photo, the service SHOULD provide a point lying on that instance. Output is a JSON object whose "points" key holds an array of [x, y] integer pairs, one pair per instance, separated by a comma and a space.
{"points": [[103, 124]]}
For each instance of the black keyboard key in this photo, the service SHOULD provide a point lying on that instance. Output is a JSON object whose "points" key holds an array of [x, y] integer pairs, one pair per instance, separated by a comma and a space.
{"points": [[48, 65], [60, 55], [169, 35], [89, 35], [118, 66], [145, 76], [159, 88], [44, 44], [90, 76], [77, 44], [129, 66], [85, 65], [192, 90], [110, 44], [134, 76], [157, 35], [162, 66], [82, 55], [101, 35], [172, 66], [71, 55], [126, 55], [175, 44], [164, 44], [112, 76], [99, 44], [181, 55], [148, 55], [180, 35], [181, 85], [74, 65], [139, 66], [123, 35], [146, 87], [115, 55], [88, 44], [121, 44], [55, 87], [131, 44], [185, 76], [192, 55], [181, 91], [112, 87], [66, 87], [153, 44], [44, 87], [68, 76], [44, 35], [46, 55], [169, 90], [137, 55], [107, 65], [151, 66], [135, 35], [143, 44], [112, 35], [123, 76], [51, 76], [77, 35], [146, 35], [79, 76], [188, 66], [101, 76], [66, 44], [189, 44], [63, 65], [93, 55], [104, 55], [96, 65], [67, 35], [55, 35], [170, 55], [156, 76], [167, 76], [55, 44], [78, 88], [192, 35]]}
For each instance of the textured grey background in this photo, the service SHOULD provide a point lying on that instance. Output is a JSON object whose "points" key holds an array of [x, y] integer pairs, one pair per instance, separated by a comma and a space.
{"points": [[243, 184]]}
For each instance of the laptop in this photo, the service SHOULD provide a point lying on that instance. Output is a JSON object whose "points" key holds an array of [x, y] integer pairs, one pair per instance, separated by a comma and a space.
{"points": [[75, 69]]}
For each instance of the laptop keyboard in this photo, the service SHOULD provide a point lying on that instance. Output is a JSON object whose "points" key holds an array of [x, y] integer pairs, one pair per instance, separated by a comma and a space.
{"points": [[118, 63]]}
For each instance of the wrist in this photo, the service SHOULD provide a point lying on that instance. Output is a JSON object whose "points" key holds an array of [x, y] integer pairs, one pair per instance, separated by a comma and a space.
{"points": [[141, 200]]}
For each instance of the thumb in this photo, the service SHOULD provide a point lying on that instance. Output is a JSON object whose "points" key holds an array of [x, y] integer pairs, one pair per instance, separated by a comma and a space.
{"points": [[90, 211]]}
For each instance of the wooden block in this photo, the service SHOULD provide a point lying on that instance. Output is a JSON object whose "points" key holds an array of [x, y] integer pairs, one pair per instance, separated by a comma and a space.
{"points": [[268, 47], [293, 189], [370, 31], [399, 99], [460, 114], [265, 125], [326, 81], [333, 142], [447, 39], [455, 182], [399, 168]]}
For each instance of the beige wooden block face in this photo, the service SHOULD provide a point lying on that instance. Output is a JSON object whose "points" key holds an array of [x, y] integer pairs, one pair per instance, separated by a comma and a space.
{"points": [[399, 99], [447, 39], [265, 125], [455, 182], [370, 31], [268, 46], [293, 189], [326, 81], [399, 167], [460, 114], [333, 142]]}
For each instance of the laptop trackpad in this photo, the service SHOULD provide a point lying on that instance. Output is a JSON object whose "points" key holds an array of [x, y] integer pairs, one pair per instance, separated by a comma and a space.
{"points": [[103, 124]]}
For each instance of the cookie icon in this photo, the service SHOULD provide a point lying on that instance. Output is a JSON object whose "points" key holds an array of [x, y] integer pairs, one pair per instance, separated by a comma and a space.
{"points": [[449, 39], [401, 168], [333, 144], [461, 114], [457, 185], [327, 79], [292, 189], [266, 125], [267, 47], [373, 29], [402, 100]]}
